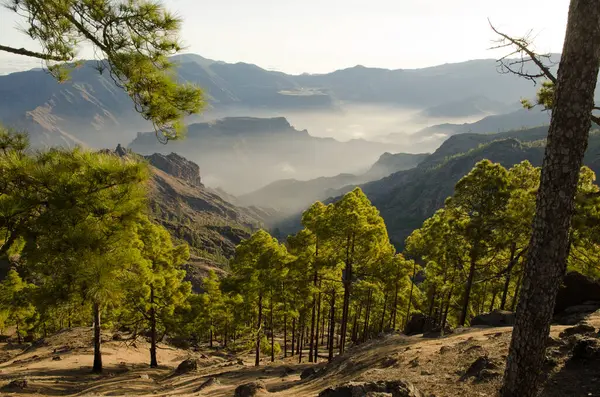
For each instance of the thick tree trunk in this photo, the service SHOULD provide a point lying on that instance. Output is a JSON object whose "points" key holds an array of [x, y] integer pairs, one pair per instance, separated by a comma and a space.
{"points": [[153, 359], [548, 250], [97, 340], [467, 295], [258, 329]]}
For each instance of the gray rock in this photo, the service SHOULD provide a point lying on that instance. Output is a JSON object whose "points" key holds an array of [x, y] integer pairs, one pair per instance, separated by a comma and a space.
{"points": [[363, 389], [497, 318], [186, 366], [579, 329], [307, 373], [250, 389], [477, 367]]}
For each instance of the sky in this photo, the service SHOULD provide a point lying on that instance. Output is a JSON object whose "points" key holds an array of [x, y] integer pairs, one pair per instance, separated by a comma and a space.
{"points": [[320, 36]]}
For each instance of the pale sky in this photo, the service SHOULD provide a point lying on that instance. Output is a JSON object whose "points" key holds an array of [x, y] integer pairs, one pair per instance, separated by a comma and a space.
{"points": [[319, 36]]}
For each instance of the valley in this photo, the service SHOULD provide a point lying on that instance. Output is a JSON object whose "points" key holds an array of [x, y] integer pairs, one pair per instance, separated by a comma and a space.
{"points": [[199, 200]]}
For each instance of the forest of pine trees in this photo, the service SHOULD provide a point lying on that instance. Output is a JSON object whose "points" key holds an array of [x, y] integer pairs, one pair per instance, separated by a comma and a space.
{"points": [[84, 252]]}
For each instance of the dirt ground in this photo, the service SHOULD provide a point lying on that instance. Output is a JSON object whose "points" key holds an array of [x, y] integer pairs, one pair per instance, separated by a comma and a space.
{"points": [[434, 365]]}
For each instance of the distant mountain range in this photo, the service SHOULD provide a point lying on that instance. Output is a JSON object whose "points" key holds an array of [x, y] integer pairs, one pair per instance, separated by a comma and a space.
{"points": [[288, 196], [241, 154], [89, 109], [406, 198]]}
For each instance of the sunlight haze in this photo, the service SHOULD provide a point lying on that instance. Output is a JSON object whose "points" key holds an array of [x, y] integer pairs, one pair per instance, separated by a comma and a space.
{"points": [[321, 36]]}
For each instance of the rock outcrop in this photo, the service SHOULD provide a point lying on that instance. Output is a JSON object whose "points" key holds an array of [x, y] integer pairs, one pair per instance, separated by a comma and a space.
{"points": [[497, 318], [177, 166]]}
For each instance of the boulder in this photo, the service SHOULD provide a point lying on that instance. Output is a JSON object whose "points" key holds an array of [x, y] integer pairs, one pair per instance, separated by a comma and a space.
{"points": [[363, 389], [477, 368], [497, 318], [579, 329], [186, 366], [250, 389], [208, 383], [586, 349], [419, 323], [576, 290], [17, 384], [307, 373]]}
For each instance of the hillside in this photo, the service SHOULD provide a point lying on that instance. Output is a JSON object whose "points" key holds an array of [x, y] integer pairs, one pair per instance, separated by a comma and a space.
{"points": [[89, 109], [291, 195], [406, 198], [240, 154], [211, 225], [60, 365]]}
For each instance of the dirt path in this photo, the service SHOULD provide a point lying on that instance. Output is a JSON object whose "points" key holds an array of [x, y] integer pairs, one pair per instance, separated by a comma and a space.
{"points": [[433, 365]]}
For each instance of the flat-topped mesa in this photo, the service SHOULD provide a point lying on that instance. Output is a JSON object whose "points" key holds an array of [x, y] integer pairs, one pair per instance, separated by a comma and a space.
{"points": [[177, 166]]}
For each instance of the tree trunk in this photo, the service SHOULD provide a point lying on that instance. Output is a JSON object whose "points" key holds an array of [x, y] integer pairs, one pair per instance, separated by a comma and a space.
{"points": [[301, 341], [432, 301], [367, 315], [153, 360], [511, 264], [353, 333], [285, 335], [515, 300], [323, 325], [347, 290], [412, 285], [493, 303], [272, 330], [467, 295], [258, 333], [385, 299], [395, 308], [548, 250], [313, 319], [331, 326], [317, 329], [97, 340], [293, 334]]}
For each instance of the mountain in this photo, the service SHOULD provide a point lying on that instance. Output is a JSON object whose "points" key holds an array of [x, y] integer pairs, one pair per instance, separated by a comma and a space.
{"points": [[289, 196], [465, 107], [193, 213], [240, 154], [89, 109], [406, 198]]}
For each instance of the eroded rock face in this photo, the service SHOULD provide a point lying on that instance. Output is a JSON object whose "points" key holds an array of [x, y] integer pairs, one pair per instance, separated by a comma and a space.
{"points": [[397, 388], [180, 167]]}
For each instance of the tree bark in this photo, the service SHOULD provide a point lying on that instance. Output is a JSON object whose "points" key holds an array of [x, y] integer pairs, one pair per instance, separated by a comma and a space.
{"points": [[153, 359], [285, 336], [97, 368], [548, 250], [313, 319], [272, 329], [385, 300]]}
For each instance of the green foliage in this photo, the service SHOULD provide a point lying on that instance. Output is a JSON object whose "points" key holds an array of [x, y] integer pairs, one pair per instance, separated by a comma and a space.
{"points": [[15, 300], [132, 39]]}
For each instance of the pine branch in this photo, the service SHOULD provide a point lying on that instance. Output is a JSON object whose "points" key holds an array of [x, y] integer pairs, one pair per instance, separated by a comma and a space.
{"points": [[33, 54]]}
